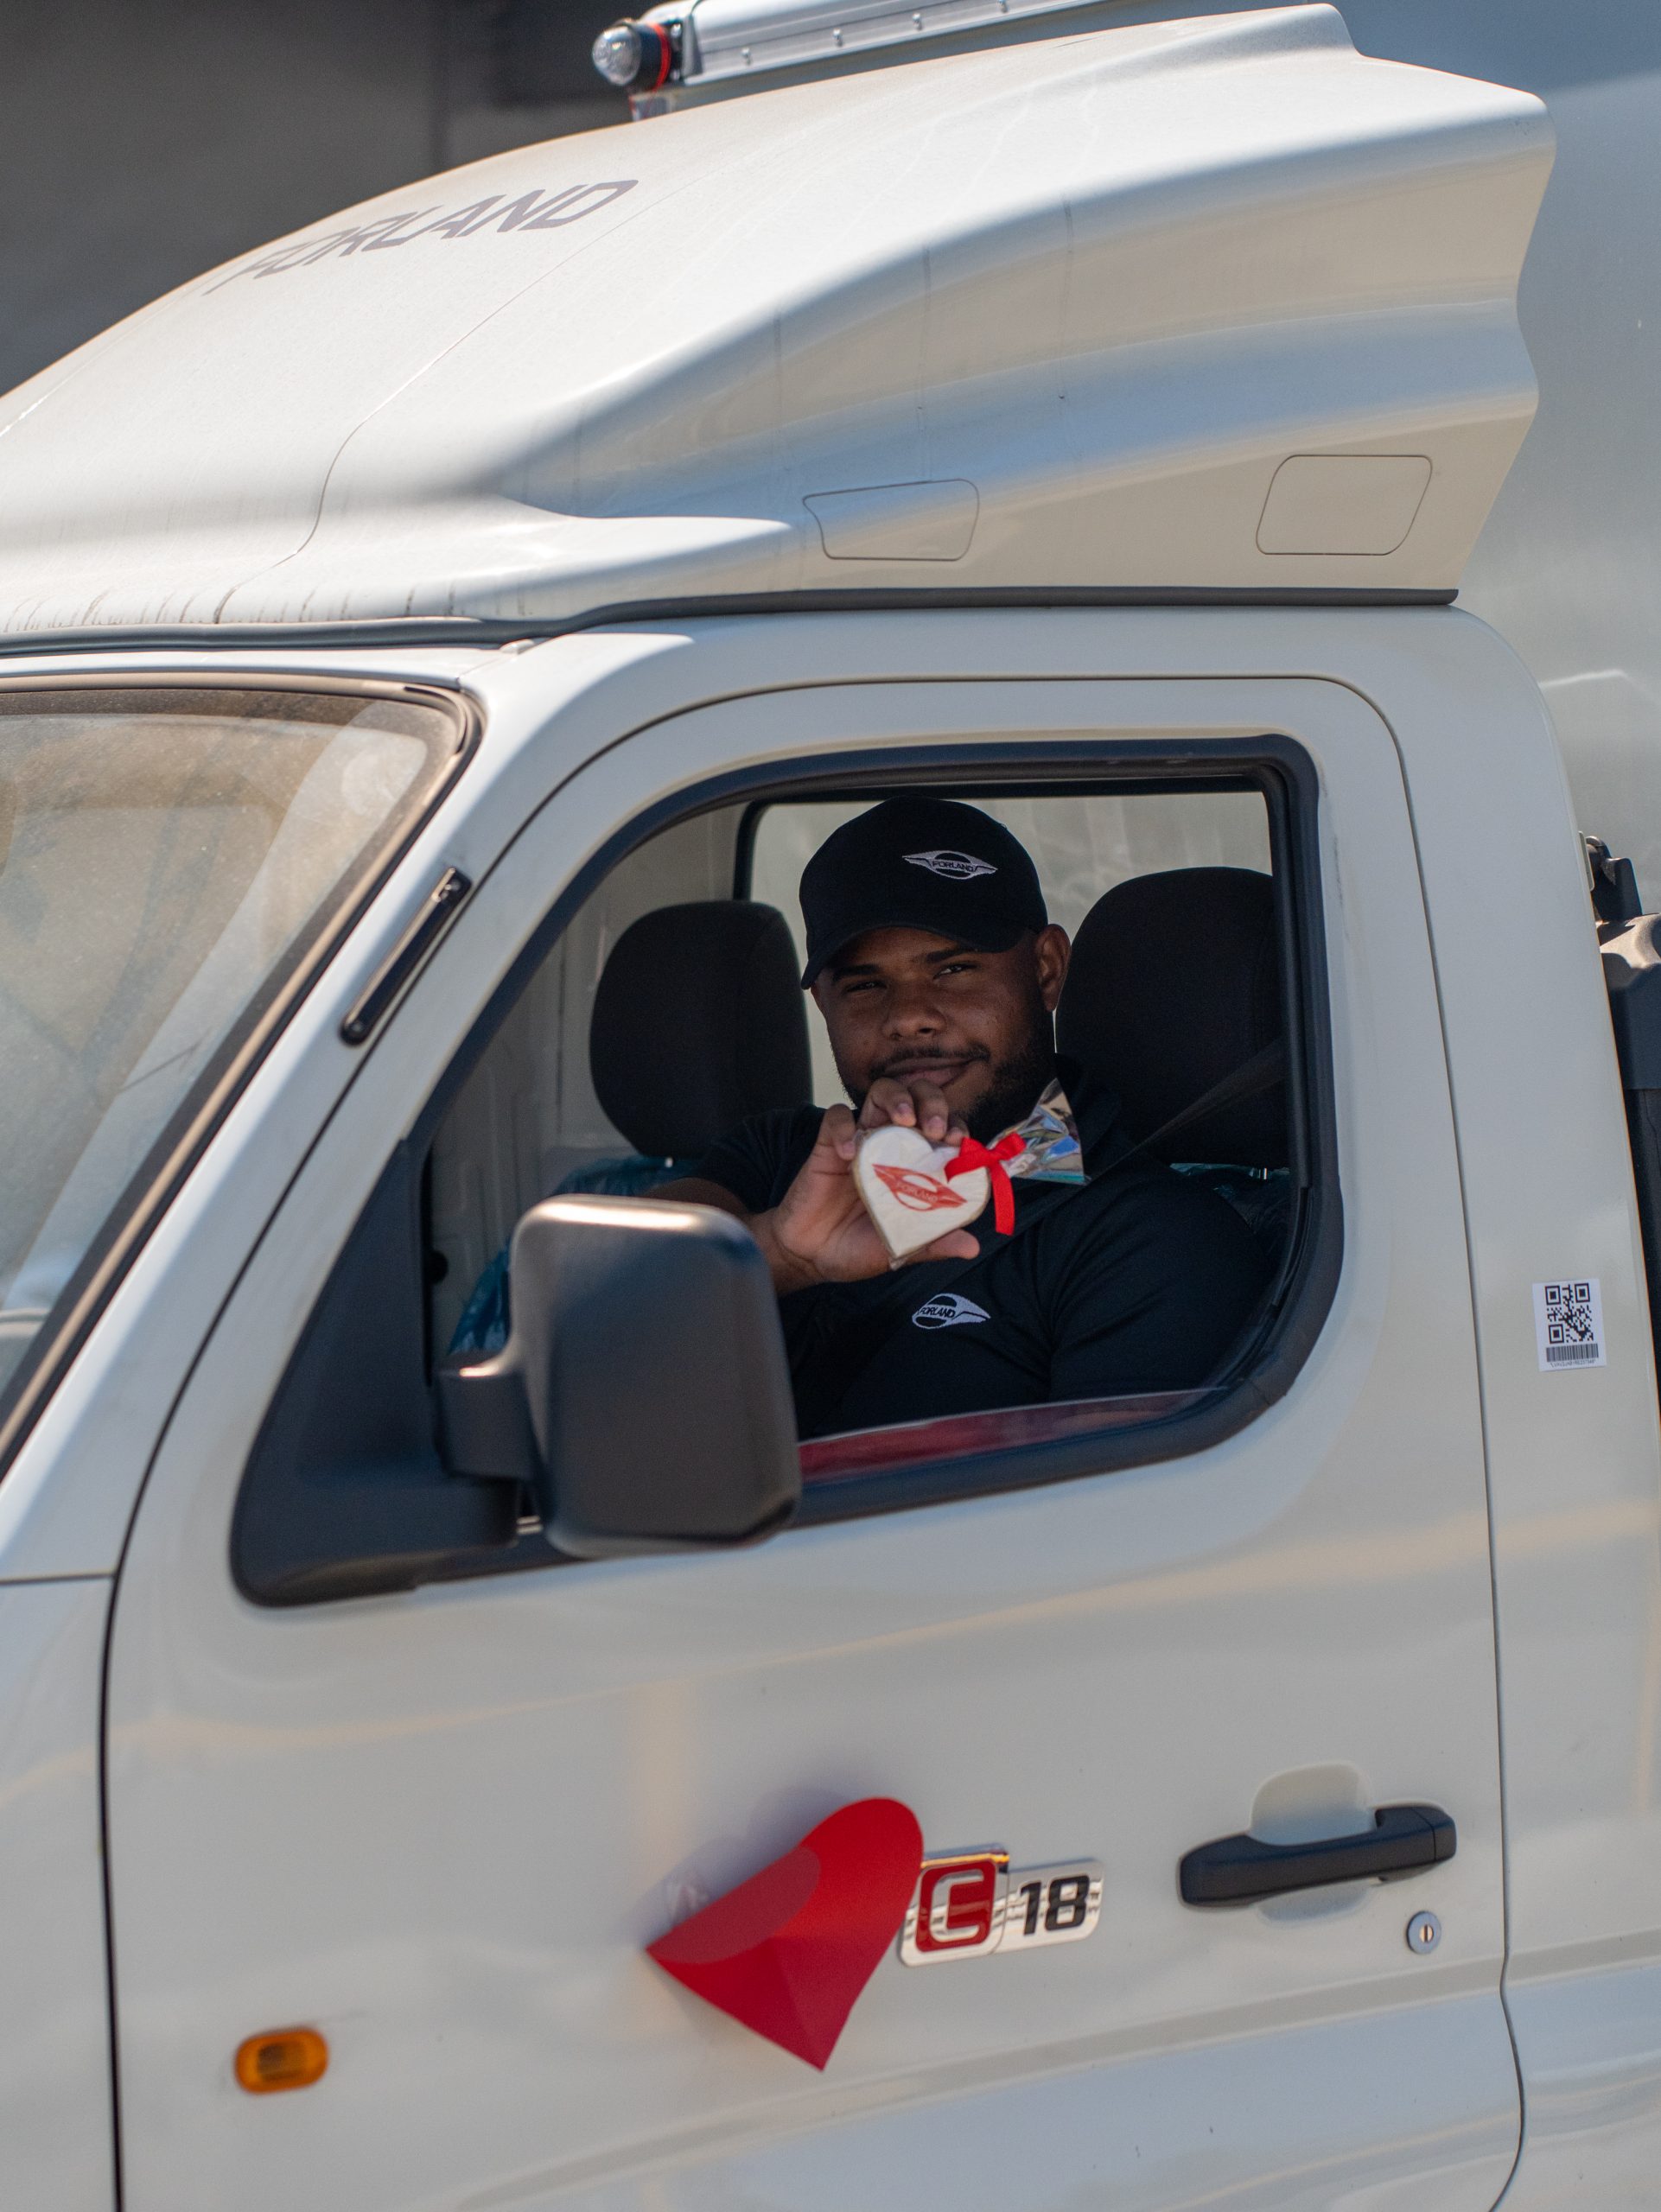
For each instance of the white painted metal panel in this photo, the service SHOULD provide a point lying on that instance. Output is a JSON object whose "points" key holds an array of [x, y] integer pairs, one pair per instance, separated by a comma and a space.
{"points": [[439, 1827], [56, 2138], [1575, 1459], [1110, 283]]}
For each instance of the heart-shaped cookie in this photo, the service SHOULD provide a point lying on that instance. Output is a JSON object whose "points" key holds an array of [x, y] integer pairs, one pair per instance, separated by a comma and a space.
{"points": [[788, 1953], [902, 1180]]}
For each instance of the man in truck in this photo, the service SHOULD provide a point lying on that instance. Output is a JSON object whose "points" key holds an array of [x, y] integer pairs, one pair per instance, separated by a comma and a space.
{"points": [[936, 970]]}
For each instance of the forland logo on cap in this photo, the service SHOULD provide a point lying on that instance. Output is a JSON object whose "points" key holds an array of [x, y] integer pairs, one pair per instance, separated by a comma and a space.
{"points": [[962, 866], [946, 1310]]}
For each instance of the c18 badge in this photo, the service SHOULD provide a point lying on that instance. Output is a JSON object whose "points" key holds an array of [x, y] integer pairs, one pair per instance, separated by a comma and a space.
{"points": [[968, 1904]]}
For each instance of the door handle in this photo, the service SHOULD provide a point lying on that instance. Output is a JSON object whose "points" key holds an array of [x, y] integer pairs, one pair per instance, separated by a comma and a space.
{"points": [[1243, 1869]]}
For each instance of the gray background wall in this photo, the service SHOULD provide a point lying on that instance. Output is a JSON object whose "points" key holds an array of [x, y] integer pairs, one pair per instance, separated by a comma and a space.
{"points": [[143, 141]]}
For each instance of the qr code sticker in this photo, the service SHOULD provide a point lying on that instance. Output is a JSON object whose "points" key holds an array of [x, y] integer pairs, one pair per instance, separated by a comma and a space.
{"points": [[1568, 1323]]}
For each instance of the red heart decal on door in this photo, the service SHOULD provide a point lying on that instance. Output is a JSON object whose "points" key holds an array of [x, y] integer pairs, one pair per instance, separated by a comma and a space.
{"points": [[788, 1953]]}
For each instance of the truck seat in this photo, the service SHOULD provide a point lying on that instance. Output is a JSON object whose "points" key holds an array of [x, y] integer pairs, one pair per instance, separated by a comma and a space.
{"points": [[1174, 985], [698, 1022]]}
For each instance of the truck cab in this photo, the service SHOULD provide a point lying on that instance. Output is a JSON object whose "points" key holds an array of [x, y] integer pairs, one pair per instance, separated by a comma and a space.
{"points": [[433, 647]]}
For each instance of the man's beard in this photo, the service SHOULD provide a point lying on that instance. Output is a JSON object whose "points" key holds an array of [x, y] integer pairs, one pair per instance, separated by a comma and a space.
{"points": [[1015, 1087]]}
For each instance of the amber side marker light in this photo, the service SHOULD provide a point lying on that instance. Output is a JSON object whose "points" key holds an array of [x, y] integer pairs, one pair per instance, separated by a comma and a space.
{"points": [[283, 2058]]}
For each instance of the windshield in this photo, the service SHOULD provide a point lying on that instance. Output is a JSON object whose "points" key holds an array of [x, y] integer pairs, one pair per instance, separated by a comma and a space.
{"points": [[167, 856]]}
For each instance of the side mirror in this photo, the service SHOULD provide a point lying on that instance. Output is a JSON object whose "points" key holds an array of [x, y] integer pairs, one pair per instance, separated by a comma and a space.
{"points": [[643, 1394]]}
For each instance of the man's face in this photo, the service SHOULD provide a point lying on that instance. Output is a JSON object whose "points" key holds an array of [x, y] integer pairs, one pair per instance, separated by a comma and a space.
{"points": [[907, 1004]]}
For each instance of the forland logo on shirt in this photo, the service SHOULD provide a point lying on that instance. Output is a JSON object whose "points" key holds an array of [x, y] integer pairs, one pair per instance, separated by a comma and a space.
{"points": [[947, 1310], [960, 866]]}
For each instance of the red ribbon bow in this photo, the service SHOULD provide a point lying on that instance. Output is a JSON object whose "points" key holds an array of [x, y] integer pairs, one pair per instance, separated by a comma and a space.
{"points": [[972, 1153]]}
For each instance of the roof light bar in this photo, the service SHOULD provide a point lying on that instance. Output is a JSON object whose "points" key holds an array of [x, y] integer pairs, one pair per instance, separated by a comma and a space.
{"points": [[716, 39]]}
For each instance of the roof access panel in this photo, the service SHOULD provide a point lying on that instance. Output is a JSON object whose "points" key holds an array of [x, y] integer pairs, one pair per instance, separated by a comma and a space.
{"points": [[1195, 307]]}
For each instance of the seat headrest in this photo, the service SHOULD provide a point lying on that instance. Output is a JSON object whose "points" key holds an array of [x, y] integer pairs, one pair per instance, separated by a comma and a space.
{"points": [[698, 1022], [1175, 983]]}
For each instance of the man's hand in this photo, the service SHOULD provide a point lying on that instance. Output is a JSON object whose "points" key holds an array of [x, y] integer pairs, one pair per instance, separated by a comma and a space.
{"points": [[819, 1231]]}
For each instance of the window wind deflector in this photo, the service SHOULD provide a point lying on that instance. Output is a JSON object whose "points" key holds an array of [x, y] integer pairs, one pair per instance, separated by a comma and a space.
{"points": [[438, 911]]}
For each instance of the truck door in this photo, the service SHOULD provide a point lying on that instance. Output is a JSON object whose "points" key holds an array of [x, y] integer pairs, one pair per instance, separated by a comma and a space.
{"points": [[434, 1827]]}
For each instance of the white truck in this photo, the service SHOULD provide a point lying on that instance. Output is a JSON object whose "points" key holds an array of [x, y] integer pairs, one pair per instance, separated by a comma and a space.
{"points": [[430, 646]]}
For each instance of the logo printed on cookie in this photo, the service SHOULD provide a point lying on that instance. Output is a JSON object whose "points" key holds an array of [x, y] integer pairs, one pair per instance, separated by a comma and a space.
{"points": [[946, 1311], [921, 1193], [907, 1189], [960, 866]]}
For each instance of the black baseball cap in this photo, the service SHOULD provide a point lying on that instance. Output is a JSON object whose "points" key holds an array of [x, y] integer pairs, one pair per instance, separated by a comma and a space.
{"points": [[920, 864]]}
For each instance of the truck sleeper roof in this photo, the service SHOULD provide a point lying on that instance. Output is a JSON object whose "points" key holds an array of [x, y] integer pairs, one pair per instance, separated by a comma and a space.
{"points": [[1208, 307]]}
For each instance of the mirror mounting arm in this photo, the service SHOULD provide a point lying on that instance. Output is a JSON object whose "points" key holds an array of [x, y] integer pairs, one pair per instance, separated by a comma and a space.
{"points": [[485, 1423]]}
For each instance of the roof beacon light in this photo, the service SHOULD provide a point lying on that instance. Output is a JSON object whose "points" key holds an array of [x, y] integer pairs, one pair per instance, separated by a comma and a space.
{"points": [[638, 57]]}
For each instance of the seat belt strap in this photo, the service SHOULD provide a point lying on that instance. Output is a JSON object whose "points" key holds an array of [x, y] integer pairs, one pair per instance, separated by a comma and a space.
{"points": [[1250, 1080]]}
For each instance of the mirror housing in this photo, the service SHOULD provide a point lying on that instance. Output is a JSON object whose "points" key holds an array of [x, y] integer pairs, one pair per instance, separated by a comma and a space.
{"points": [[643, 1394]]}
